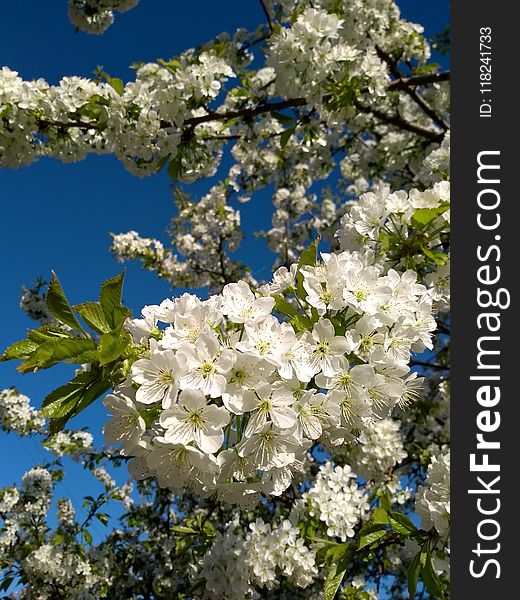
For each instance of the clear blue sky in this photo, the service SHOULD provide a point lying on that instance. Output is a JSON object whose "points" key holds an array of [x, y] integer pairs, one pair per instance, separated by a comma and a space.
{"points": [[58, 216]]}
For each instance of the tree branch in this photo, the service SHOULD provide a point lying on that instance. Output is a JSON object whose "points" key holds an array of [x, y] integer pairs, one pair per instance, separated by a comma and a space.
{"points": [[398, 121], [267, 15], [266, 107], [429, 365], [411, 90]]}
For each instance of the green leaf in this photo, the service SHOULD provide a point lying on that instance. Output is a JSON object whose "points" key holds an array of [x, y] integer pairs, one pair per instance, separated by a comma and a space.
{"points": [[21, 349], [423, 216], [174, 168], [430, 578], [332, 552], [102, 518], [183, 529], [64, 399], [119, 316], [111, 346], [70, 399], [87, 536], [301, 323], [333, 580], [371, 533], [401, 523], [117, 84], [94, 316], [74, 350], [161, 162], [309, 257], [412, 575], [59, 306], [282, 306], [379, 516], [285, 119], [384, 240], [439, 258], [286, 136], [150, 414], [111, 296], [384, 500], [6, 582], [49, 333]]}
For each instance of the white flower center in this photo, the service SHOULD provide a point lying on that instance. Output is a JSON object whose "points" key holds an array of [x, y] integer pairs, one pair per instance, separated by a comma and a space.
{"points": [[167, 377], [322, 348], [207, 369]]}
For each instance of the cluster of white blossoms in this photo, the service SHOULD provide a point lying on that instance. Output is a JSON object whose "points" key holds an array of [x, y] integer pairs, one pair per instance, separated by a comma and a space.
{"points": [[51, 564], [96, 16], [309, 52], [380, 448], [169, 113], [17, 414], [71, 443], [433, 499], [66, 512], [279, 549], [33, 303], [78, 115], [52, 560], [30, 501], [433, 433], [239, 563], [242, 397], [150, 251], [225, 567], [229, 397], [328, 41], [436, 165], [388, 222], [337, 500], [376, 209]]}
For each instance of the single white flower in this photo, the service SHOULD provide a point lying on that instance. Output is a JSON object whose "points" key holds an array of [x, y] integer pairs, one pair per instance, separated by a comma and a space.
{"points": [[178, 466], [126, 425], [315, 412], [247, 371], [283, 278], [365, 291], [158, 376], [193, 420], [268, 340], [327, 348], [207, 363], [266, 405], [241, 306], [269, 448]]}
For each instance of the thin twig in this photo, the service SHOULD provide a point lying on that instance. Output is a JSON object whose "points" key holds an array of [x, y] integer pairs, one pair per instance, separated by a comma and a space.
{"points": [[411, 90], [267, 15]]}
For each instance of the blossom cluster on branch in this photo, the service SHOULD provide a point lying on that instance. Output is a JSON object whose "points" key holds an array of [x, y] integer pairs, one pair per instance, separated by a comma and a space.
{"points": [[182, 112], [287, 436], [96, 16]]}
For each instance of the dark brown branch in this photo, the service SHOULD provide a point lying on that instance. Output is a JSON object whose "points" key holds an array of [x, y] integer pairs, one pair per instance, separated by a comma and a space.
{"points": [[266, 107], [410, 90], [262, 108], [429, 365], [398, 121], [267, 15], [419, 80]]}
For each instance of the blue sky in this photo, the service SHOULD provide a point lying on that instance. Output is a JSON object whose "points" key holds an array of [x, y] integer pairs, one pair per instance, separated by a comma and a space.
{"points": [[58, 217]]}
